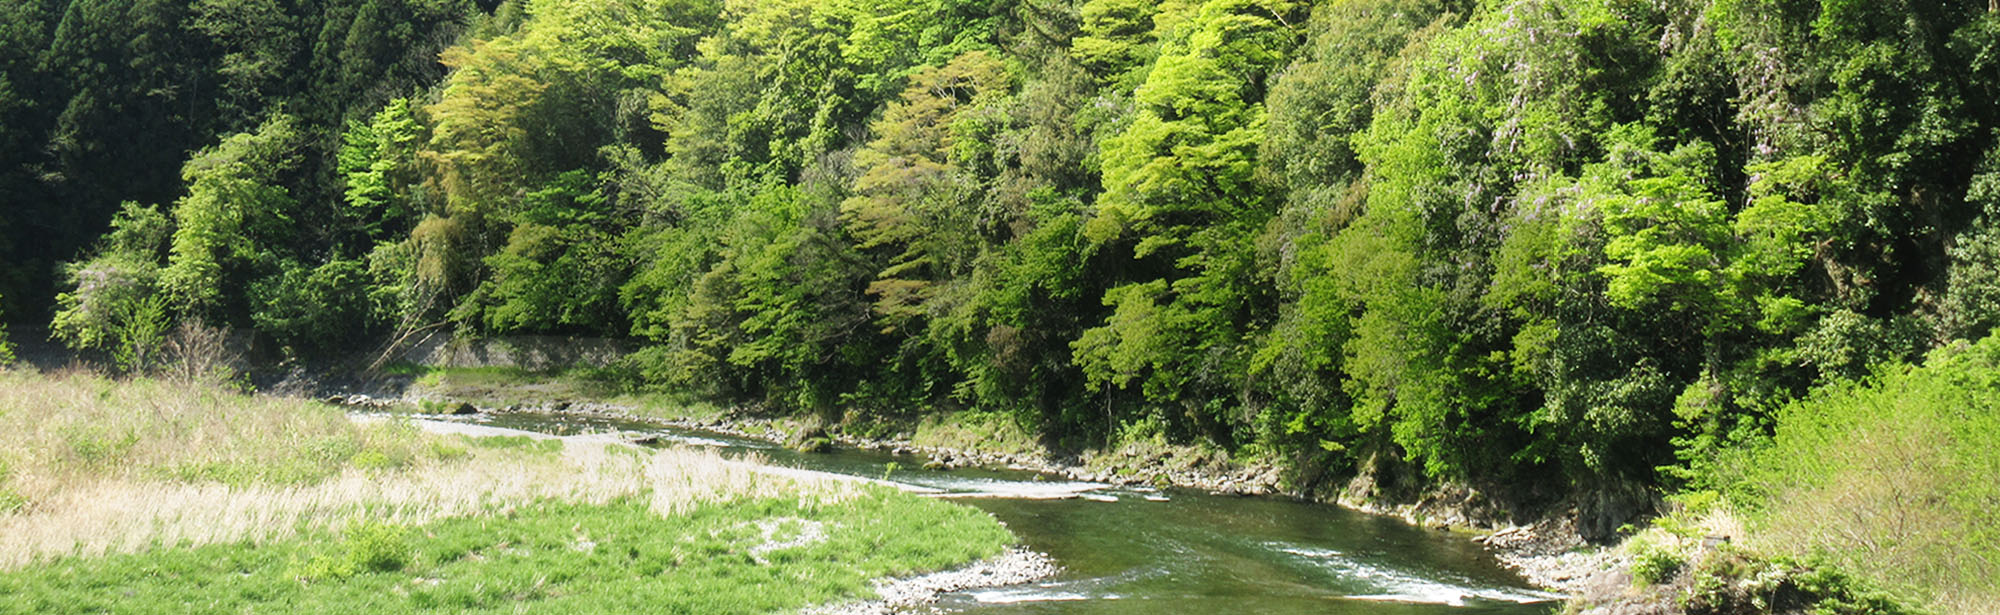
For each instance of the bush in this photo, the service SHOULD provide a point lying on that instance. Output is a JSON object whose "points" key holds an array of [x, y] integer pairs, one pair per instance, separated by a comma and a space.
{"points": [[200, 353], [1655, 564], [377, 547], [113, 305], [367, 547], [315, 310], [1653, 561], [1890, 479], [1733, 582]]}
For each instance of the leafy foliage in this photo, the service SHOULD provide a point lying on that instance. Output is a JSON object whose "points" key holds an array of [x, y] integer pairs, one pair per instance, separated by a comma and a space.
{"points": [[1596, 240], [1891, 472]]}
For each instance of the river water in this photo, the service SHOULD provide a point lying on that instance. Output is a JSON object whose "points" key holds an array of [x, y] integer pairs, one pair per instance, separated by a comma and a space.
{"points": [[1176, 551]]}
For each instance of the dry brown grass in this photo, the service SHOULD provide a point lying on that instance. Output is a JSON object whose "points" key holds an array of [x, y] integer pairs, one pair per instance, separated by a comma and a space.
{"points": [[89, 503], [60, 431], [128, 516]]}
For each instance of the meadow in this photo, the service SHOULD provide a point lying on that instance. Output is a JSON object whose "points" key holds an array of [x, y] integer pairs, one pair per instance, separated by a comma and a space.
{"points": [[155, 496]]}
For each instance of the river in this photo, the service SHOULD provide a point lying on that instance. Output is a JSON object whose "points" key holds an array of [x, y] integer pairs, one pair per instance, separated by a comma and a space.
{"points": [[1175, 551]]}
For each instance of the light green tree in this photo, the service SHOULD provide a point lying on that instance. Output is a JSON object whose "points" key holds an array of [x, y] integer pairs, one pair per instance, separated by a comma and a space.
{"points": [[114, 301], [236, 210], [1181, 189]]}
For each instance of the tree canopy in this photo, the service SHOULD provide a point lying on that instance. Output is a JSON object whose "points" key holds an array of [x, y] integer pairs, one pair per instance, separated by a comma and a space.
{"points": [[1496, 241]]}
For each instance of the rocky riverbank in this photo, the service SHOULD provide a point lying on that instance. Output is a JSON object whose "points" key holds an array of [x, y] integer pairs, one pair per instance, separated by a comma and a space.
{"points": [[1014, 567]]}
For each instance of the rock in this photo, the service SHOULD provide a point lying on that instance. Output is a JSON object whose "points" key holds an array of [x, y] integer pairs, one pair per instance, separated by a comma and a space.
{"points": [[464, 408], [336, 400], [559, 406], [1605, 510], [820, 444]]}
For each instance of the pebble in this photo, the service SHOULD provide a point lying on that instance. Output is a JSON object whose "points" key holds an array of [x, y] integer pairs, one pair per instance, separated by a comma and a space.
{"points": [[1014, 567]]}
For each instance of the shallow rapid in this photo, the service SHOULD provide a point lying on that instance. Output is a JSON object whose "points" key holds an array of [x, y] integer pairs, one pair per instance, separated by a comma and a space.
{"points": [[1127, 550]]}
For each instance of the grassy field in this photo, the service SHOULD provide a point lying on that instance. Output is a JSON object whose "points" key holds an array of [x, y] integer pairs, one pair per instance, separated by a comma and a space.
{"points": [[148, 497]]}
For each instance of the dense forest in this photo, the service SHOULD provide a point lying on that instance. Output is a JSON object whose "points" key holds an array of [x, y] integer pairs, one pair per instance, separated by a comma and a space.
{"points": [[1495, 241]]}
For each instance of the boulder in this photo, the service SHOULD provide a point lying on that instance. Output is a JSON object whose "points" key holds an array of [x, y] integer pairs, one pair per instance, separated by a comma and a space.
{"points": [[814, 445]]}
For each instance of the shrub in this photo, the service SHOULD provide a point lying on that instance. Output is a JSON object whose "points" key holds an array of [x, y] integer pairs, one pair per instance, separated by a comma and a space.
{"points": [[113, 305], [377, 547], [367, 547], [315, 309], [200, 353], [1890, 479], [1654, 563]]}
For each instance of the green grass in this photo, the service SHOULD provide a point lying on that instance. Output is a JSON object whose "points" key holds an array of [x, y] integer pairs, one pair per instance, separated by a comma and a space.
{"points": [[967, 430], [546, 557], [109, 504]]}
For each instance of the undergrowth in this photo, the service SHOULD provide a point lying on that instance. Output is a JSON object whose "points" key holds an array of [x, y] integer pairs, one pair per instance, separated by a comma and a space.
{"points": [[1870, 497]]}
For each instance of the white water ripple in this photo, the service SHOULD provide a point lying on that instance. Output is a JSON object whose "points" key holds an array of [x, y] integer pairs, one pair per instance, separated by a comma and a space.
{"points": [[1394, 585]]}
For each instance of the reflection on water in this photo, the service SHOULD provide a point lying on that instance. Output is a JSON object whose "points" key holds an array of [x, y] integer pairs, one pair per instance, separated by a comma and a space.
{"points": [[1143, 551]]}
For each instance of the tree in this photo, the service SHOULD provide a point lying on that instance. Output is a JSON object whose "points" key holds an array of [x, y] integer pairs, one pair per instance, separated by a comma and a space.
{"points": [[236, 213], [559, 270], [377, 163], [478, 142], [114, 302], [1319, 106], [261, 38], [1181, 186], [914, 200]]}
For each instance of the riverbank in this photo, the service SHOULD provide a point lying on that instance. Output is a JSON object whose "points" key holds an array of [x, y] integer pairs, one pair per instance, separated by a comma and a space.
{"points": [[1014, 567], [186, 494], [1549, 551]]}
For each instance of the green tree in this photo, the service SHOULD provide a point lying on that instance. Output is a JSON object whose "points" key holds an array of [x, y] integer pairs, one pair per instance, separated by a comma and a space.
{"points": [[377, 164], [558, 271], [1318, 106], [1181, 187], [914, 201], [114, 301], [261, 38], [1469, 120], [315, 310], [236, 212]]}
